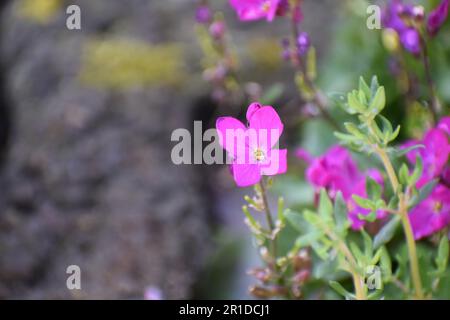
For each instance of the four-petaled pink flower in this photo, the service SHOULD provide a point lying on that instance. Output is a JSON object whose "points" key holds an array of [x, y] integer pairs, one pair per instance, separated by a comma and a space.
{"points": [[257, 9], [337, 171], [252, 148]]}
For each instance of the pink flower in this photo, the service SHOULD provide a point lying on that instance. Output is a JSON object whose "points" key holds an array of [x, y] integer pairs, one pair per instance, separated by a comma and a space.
{"points": [[444, 125], [337, 171], [432, 214], [434, 155], [252, 147], [256, 9], [437, 18]]}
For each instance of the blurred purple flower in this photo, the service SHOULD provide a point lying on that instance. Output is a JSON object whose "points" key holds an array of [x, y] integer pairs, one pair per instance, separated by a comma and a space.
{"points": [[217, 29], [256, 9], [434, 155], [437, 18], [303, 43], [392, 19], [337, 171], [153, 293], [203, 14], [432, 214], [410, 39]]}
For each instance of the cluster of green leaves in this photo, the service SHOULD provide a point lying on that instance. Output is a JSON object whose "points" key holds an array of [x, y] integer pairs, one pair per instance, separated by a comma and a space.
{"points": [[327, 231], [367, 103]]}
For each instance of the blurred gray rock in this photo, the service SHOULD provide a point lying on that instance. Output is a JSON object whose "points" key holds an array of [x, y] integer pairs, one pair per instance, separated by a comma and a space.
{"points": [[89, 180]]}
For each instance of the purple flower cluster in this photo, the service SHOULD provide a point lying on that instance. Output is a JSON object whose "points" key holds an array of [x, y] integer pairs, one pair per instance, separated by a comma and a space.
{"points": [[337, 171], [433, 213], [404, 19]]}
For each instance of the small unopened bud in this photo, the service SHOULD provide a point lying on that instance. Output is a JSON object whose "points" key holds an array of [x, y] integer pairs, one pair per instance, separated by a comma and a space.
{"points": [[262, 293], [263, 275], [301, 277], [301, 261], [265, 255]]}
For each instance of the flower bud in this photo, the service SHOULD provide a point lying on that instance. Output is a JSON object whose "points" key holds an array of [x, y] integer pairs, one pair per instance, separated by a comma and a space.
{"points": [[303, 44]]}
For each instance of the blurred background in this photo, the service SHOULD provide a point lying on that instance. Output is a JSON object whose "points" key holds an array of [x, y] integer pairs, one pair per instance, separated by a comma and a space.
{"points": [[86, 118]]}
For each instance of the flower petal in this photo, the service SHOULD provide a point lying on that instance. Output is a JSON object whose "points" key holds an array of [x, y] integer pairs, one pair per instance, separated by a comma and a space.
{"points": [[252, 109], [234, 128], [267, 123], [246, 175], [276, 164]]}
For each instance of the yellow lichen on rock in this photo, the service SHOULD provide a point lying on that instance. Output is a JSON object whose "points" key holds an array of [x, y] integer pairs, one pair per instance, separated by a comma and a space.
{"points": [[41, 11], [125, 63]]}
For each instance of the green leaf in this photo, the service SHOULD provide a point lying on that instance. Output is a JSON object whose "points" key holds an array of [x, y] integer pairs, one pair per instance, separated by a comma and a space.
{"points": [[442, 256], [385, 264], [378, 102], [386, 233], [397, 152], [325, 205], [404, 175], [253, 223], [340, 213], [417, 173], [363, 87], [374, 190], [312, 218], [354, 103], [371, 217], [341, 101], [374, 85], [424, 192], [368, 245], [362, 202], [297, 221], [354, 130], [307, 239], [341, 290]]}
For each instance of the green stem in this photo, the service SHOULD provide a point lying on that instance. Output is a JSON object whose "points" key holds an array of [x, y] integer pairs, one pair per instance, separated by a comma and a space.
{"points": [[271, 225], [403, 211], [357, 279], [434, 107]]}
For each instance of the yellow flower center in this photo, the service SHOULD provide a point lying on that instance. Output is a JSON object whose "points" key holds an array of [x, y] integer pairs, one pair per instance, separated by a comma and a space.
{"points": [[437, 207], [266, 6], [259, 154]]}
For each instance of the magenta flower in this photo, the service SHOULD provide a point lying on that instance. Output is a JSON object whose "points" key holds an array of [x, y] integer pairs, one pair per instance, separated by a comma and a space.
{"points": [[337, 171], [432, 214], [434, 155], [437, 18], [252, 148], [256, 9], [444, 125]]}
